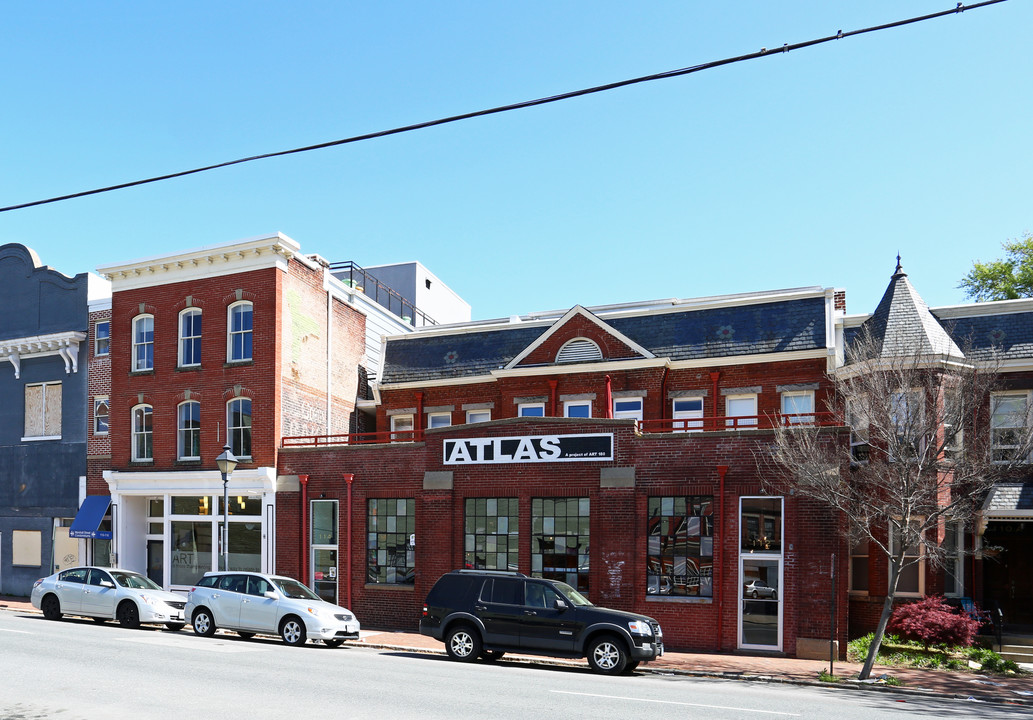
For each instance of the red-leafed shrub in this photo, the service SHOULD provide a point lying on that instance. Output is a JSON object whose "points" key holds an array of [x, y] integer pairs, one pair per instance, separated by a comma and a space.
{"points": [[933, 622]]}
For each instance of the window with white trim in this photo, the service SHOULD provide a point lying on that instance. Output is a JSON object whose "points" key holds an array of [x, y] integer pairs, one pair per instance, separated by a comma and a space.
{"points": [[741, 410], [101, 412], [906, 416], [143, 342], [239, 337], [1009, 419], [478, 416], [912, 575], [238, 423], [43, 411], [531, 409], [953, 547], [102, 338], [860, 426], [142, 429], [190, 337], [188, 430], [627, 408], [438, 420], [797, 406], [859, 566], [688, 413], [577, 408], [402, 428]]}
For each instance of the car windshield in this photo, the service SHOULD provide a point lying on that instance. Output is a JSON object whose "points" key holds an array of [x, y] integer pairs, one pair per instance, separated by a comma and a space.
{"points": [[294, 589], [572, 595], [132, 580]]}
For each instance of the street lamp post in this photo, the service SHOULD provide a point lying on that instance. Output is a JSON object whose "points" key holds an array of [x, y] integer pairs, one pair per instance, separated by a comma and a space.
{"points": [[226, 462]]}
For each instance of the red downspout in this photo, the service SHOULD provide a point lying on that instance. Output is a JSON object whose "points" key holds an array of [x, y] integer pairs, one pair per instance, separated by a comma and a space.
{"points": [[719, 543], [348, 478], [552, 397], [663, 394], [609, 398], [714, 376], [303, 479]]}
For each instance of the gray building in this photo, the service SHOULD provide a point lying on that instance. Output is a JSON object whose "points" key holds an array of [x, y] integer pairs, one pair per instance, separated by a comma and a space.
{"points": [[43, 415]]}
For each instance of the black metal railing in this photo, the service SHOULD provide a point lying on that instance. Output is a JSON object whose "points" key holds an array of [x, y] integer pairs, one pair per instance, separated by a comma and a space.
{"points": [[356, 277]]}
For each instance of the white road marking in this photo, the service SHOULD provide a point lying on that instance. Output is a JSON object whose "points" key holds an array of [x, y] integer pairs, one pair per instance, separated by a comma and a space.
{"points": [[20, 632], [674, 702], [237, 646]]}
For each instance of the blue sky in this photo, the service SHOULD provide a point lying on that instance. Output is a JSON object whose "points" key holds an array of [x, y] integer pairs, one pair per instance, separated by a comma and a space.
{"points": [[813, 167]]}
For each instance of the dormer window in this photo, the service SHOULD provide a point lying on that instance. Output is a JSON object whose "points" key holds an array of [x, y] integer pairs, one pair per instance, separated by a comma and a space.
{"points": [[579, 350]]}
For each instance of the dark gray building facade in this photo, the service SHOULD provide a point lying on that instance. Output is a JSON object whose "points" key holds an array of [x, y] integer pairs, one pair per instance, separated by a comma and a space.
{"points": [[43, 415]]}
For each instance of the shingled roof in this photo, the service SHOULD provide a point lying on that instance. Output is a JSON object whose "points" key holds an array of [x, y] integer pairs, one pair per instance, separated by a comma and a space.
{"points": [[902, 323], [791, 324]]}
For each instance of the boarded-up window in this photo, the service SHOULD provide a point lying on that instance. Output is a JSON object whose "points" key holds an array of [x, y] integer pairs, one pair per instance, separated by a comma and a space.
{"points": [[27, 548], [43, 410]]}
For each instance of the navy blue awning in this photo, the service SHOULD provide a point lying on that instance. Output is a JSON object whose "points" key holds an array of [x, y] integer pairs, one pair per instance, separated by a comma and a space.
{"points": [[89, 517]]}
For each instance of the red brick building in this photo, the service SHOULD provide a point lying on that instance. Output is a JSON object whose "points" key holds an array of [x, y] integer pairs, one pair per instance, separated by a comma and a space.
{"points": [[614, 449], [241, 344]]}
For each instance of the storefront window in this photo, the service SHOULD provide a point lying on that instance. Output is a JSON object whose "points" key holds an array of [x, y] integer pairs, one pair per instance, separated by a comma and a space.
{"points": [[191, 505], [391, 541], [680, 546], [191, 550], [491, 536], [245, 541], [243, 505], [559, 540]]}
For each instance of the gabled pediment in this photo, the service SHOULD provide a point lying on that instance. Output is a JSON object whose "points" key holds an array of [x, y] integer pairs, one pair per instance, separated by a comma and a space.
{"points": [[579, 337]]}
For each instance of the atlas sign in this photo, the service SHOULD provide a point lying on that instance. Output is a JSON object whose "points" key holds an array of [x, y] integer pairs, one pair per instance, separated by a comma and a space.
{"points": [[529, 449]]}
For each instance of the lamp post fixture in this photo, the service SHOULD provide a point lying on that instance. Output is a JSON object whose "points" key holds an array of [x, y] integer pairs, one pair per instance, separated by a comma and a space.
{"points": [[226, 462]]}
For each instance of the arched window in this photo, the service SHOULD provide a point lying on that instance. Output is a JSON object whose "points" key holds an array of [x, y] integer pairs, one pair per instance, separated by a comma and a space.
{"points": [[143, 342], [579, 350], [190, 337], [238, 423], [239, 336], [142, 434], [188, 430]]}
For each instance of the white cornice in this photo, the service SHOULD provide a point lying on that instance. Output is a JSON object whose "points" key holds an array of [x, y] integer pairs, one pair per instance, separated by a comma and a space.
{"points": [[750, 359], [65, 344], [185, 482], [239, 256], [997, 307]]}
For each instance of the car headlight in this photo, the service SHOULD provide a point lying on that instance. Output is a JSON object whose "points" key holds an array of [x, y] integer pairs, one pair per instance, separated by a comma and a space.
{"points": [[639, 627]]}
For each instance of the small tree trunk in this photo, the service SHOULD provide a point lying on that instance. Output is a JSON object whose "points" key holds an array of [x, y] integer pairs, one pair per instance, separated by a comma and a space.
{"points": [[880, 632], [884, 619]]}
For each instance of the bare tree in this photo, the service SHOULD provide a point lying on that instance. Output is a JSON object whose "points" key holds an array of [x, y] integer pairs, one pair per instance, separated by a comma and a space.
{"points": [[920, 456]]}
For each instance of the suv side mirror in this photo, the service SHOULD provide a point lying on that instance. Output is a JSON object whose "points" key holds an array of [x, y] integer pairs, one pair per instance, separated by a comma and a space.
{"points": [[561, 604]]}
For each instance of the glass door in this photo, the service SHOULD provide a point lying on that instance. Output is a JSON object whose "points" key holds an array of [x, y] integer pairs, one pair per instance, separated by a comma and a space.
{"points": [[760, 603], [156, 561], [760, 573]]}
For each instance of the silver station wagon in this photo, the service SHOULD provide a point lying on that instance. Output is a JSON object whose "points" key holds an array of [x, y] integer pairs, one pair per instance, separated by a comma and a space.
{"points": [[254, 603]]}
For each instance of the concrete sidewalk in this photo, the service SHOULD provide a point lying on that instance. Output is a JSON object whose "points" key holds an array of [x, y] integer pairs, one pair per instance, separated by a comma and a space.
{"points": [[955, 684]]}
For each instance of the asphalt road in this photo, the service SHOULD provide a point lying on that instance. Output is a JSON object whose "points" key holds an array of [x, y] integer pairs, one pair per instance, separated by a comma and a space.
{"points": [[80, 670]]}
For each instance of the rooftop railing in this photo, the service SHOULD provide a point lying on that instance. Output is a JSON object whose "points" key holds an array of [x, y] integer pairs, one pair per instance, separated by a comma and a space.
{"points": [[667, 425], [356, 277]]}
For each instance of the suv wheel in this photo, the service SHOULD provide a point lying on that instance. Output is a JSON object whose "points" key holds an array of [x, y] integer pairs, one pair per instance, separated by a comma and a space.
{"points": [[203, 622], [606, 654], [463, 643]]}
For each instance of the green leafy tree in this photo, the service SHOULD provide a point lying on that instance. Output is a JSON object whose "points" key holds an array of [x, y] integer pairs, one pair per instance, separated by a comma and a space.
{"points": [[1005, 279]]}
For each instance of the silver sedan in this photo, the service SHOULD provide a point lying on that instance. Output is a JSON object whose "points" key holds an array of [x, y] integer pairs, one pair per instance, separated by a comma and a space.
{"points": [[108, 594]]}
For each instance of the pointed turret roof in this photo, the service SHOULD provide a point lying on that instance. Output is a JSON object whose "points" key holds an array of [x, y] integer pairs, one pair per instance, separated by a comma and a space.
{"points": [[903, 325]]}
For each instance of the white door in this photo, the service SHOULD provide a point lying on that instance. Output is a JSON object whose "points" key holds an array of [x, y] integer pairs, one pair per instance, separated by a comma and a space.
{"points": [[760, 602]]}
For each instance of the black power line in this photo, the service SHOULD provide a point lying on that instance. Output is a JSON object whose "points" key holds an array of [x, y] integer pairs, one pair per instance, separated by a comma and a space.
{"points": [[763, 52]]}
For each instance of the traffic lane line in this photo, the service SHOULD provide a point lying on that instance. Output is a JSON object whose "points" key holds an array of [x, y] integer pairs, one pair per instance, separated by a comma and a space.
{"points": [[675, 702]]}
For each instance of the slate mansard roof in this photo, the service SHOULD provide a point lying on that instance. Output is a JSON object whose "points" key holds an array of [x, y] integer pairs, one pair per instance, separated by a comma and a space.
{"points": [[747, 328]]}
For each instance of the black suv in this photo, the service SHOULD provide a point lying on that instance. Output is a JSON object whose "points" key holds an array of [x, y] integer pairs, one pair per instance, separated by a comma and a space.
{"points": [[484, 613]]}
